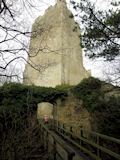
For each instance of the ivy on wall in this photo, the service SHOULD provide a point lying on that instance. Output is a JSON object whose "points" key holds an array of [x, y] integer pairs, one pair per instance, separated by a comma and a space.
{"points": [[89, 92], [19, 97]]}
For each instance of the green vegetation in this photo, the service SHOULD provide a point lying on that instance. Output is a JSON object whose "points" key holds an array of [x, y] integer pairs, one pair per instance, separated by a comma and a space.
{"points": [[64, 87], [89, 92], [75, 29], [19, 130], [17, 101], [71, 16], [101, 29], [20, 96], [104, 111], [109, 123]]}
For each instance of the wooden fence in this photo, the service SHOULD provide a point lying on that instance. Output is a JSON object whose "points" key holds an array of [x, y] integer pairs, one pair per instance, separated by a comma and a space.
{"points": [[55, 147], [97, 146]]}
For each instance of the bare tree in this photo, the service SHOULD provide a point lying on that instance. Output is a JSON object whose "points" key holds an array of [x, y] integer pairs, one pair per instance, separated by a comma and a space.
{"points": [[15, 34]]}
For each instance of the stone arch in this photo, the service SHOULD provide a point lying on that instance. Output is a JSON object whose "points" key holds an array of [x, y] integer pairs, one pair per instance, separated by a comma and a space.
{"points": [[45, 108]]}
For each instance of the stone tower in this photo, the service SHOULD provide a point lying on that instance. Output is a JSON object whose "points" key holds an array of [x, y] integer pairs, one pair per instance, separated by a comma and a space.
{"points": [[55, 49]]}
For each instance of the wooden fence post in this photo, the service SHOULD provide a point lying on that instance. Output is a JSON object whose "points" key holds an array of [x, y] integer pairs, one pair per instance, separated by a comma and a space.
{"points": [[70, 156], [63, 128], [55, 125], [58, 126], [40, 131], [81, 135], [54, 147], [47, 141], [71, 132], [98, 151], [42, 135]]}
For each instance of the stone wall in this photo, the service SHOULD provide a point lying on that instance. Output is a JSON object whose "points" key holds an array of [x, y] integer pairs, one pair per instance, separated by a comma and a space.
{"points": [[71, 111], [55, 54]]}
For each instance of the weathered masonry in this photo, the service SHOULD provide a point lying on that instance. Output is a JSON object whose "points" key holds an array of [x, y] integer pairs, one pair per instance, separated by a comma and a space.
{"points": [[55, 49]]}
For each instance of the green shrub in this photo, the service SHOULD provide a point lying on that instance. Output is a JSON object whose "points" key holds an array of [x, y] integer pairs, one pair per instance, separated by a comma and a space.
{"points": [[71, 15], [110, 123], [88, 90], [64, 87], [75, 29], [20, 97], [17, 101], [105, 112]]}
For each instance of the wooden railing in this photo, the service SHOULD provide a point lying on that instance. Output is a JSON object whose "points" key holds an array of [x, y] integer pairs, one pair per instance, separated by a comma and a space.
{"points": [[55, 147], [97, 146]]}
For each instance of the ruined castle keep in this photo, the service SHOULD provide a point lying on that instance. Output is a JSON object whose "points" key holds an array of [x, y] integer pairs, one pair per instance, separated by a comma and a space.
{"points": [[55, 55]]}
